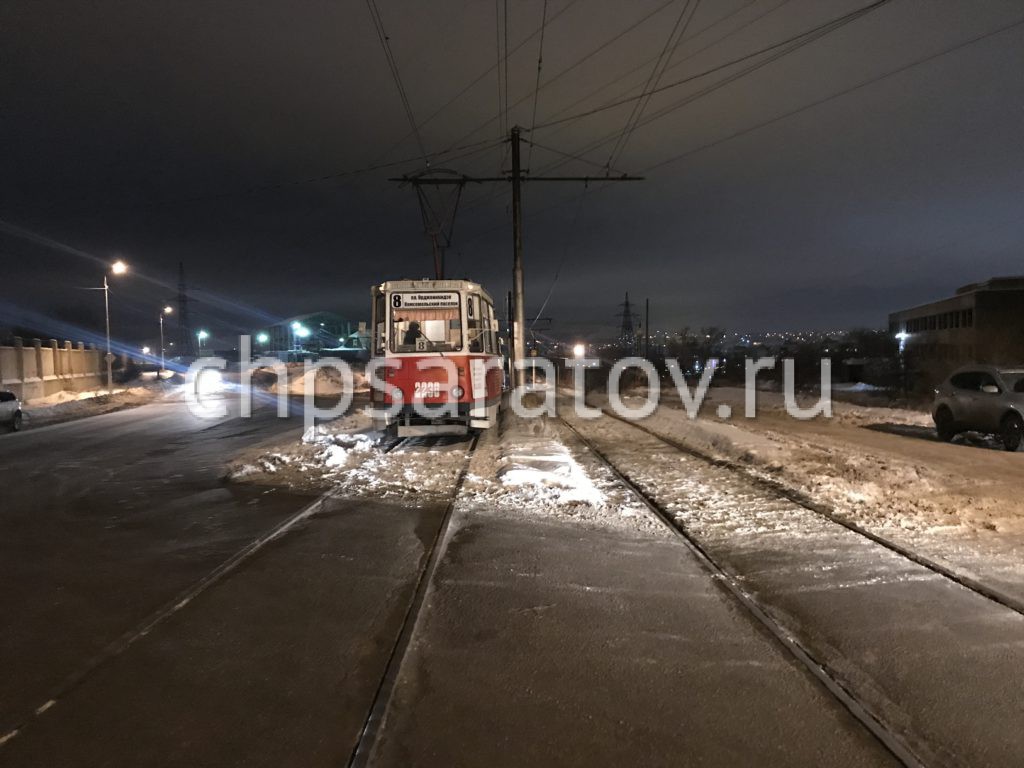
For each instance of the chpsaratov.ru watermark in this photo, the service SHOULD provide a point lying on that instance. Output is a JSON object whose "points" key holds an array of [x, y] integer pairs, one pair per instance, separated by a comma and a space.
{"points": [[441, 375]]}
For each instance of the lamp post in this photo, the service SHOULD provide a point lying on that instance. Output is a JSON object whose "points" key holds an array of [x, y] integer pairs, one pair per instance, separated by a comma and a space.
{"points": [[166, 311], [202, 336], [118, 268]]}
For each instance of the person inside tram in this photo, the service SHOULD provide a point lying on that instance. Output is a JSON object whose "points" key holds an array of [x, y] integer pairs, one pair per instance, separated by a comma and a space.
{"points": [[412, 333]]}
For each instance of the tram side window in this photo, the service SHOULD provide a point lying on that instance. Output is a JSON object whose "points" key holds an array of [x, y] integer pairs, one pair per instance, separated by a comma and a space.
{"points": [[480, 324], [426, 330], [379, 324], [490, 339]]}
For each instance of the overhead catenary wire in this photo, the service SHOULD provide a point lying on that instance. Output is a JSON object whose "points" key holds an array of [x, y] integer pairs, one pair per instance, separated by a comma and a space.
{"points": [[660, 65], [536, 87], [698, 33], [393, 66], [781, 50], [497, 49], [791, 113], [814, 33], [571, 67], [839, 94]]}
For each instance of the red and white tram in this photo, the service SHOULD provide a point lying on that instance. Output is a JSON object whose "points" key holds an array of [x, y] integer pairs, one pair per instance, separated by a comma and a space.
{"points": [[437, 365]]}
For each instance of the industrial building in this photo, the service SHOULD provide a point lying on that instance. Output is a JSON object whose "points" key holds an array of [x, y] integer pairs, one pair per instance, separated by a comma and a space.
{"points": [[981, 323]]}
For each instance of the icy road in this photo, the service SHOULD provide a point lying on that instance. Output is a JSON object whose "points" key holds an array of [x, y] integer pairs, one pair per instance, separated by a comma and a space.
{"points": [[151, 617]]}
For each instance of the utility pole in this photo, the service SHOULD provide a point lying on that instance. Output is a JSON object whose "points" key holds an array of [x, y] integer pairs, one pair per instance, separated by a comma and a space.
{"points": [[519, 318], [516, 177], [647, 329]]}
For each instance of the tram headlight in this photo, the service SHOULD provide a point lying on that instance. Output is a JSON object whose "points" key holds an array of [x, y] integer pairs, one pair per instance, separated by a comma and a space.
{"points": [[458, 392]]}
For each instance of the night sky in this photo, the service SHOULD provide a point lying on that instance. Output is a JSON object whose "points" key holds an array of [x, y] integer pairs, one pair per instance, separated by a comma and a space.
{"points": [[224, 133]]}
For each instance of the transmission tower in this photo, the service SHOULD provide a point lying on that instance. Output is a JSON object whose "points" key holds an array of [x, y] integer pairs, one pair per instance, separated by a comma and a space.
{"points": [[627, 334]]}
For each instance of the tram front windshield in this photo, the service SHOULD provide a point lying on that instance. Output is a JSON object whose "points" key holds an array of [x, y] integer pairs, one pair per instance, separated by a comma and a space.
{"points": [[426, 330]]}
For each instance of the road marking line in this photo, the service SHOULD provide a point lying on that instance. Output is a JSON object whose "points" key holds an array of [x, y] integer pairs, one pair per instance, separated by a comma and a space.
{"points": [[126, 640]]}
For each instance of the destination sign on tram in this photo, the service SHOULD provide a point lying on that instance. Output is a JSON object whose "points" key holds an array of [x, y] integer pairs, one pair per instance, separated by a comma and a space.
{"points": [[438, 300]]}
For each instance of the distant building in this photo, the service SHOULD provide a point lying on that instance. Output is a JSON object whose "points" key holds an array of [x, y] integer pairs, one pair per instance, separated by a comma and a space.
{"points": [[982, 323], [303, 336]]}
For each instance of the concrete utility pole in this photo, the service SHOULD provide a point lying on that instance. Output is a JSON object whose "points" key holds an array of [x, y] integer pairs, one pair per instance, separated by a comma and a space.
{"points": [[518, 298], [517, 177]]}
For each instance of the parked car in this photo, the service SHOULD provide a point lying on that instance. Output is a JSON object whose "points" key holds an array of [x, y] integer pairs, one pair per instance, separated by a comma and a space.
{"points": [[10, 410], [982, 398]]}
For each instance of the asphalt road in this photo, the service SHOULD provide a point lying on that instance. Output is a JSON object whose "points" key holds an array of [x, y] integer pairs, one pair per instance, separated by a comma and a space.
{"points": [[106, 521]]}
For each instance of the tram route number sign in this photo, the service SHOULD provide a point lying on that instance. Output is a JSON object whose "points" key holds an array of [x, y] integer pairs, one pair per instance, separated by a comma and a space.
{"points": [[424, 300]]}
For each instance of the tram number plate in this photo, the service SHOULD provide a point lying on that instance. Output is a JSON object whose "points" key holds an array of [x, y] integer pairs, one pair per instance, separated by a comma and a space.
{"points": [[427, 389]]}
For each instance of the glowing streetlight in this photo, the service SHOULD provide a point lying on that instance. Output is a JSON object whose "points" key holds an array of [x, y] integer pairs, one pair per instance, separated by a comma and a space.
{"points": [[579, 351], [262, 338], [202, 336], [168, 309], [145, 350], [118, 268]]}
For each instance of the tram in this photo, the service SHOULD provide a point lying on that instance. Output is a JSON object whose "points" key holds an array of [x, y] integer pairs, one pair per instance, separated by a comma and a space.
{"points": [[437, 361]]}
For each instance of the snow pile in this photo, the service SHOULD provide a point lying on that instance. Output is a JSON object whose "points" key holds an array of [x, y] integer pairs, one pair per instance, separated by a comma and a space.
{"points": [[67, 406], [547, 469], [537, 468], [327, 381], [349, 457]]}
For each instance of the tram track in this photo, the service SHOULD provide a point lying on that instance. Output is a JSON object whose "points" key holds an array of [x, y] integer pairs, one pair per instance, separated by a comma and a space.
{"points": [[779, 574], [375, 718], [783, 492]]}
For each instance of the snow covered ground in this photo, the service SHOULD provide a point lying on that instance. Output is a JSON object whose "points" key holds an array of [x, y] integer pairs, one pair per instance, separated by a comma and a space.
{"points": [[67, 406], [523, 468], [882, 468]]}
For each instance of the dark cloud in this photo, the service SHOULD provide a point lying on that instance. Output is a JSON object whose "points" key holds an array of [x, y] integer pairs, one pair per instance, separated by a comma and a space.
{"points": [[169, 132]]}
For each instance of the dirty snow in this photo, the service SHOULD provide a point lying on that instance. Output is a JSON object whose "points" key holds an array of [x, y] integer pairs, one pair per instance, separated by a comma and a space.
{"points": [[881, 468]]}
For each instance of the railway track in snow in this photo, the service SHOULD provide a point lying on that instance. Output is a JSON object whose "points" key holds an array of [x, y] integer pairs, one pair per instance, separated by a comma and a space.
{"points": [[823, 511], [816, 666], [362, 752], [778, 579]]}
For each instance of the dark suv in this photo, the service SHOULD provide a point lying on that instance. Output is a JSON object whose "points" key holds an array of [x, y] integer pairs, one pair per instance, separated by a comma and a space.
{"points": [[982, 398]]}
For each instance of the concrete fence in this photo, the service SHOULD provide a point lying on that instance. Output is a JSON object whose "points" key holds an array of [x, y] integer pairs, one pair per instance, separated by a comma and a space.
{"points": [[38, 369]]}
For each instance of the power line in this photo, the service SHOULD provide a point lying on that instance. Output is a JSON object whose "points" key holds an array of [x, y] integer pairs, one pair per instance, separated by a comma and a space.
{"points": [[667, 51], [576, 64], [840, 94], [800, 38], [393, 66], [505, 2], [779, 118], [497, 49], [695, 35], [536, 87]]}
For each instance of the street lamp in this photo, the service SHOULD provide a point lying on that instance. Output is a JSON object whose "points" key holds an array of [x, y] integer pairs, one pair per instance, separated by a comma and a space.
{"points": [[579, 351], [262, 338], [145, 350], [202, 336], [118, 268], [166, 311]]}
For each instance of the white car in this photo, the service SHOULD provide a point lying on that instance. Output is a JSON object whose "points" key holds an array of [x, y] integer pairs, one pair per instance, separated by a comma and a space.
{"points": [[982, 398], [10, 410]]}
